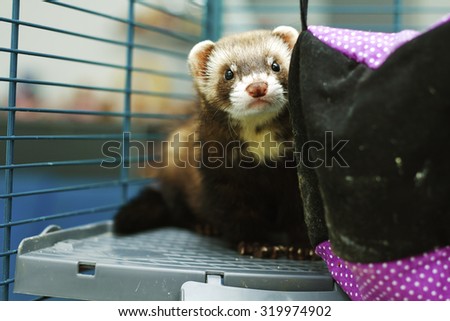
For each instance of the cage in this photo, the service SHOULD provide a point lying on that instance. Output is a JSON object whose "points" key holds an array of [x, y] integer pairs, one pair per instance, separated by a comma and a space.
{"points": [[77, 75]]}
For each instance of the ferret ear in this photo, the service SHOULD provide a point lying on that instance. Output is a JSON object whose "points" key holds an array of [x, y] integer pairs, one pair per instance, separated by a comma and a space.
{"points": [[288, 34], [198, 57]]}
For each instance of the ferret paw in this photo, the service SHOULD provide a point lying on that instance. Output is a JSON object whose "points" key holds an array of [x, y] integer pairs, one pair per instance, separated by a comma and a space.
{"points": [[265, 251]]}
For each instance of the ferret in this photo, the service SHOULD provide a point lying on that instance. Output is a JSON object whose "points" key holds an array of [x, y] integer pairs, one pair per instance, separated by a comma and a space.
{"points": [[231, 169]]}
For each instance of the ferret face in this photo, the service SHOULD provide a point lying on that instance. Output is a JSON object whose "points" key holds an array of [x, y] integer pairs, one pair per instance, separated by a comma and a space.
{"points": [[245, 74]]}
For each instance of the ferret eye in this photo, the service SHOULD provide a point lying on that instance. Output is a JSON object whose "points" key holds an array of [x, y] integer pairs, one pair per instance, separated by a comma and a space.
{"points": [[229, 74], [276, 67]]}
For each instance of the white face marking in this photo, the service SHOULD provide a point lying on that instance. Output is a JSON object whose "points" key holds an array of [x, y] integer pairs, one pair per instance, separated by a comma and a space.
{"points": [[266, 107], [239, 53], [253, 112], [242, 54]]}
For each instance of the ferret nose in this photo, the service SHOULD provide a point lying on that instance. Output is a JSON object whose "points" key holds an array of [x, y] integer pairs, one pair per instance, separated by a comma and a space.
{"points": [[257, 89]]}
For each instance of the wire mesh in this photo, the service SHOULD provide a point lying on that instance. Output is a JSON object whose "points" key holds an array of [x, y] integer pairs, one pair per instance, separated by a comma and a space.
{"points": [[59, 106], [77, 74]]}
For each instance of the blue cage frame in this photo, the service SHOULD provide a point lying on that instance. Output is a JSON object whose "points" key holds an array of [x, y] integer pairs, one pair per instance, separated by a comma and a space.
{"points": [[211, 27], [212, 23]]}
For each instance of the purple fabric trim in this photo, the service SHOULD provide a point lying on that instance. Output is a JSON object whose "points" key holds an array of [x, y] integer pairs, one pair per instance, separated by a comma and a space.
{"points": [[339, 271], [370, 48], [421, 277]]}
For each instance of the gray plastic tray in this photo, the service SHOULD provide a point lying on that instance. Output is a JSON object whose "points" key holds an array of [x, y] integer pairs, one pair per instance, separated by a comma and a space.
{"points": [[91, 263]]}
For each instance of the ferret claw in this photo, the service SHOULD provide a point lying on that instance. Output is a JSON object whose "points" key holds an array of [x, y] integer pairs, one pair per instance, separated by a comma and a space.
{"points": [[206, 230], [265, 251]]}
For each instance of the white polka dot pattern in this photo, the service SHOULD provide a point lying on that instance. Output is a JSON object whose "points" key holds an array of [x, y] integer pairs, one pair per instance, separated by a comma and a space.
{"points": [[339, 271], [421, 277], [370, 48]]}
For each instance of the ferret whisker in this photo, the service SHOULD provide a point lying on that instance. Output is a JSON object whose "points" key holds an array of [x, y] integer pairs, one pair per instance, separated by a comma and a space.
{"points": [[214, 115], [231, 129]]}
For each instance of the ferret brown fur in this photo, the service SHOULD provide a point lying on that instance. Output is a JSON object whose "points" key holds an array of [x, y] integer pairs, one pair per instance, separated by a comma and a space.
{"points": [[232, 167]]}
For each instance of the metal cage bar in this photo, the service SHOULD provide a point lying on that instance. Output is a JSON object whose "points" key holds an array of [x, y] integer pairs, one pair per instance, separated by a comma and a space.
{"points": [[92, 210], [91, 113], [126, 124], [10, 152], [172, 53], [211, 18], [10, 138], [131, 22], [99, 63], [167, 12], [65, 58], [98, 88], [90, 186], [354, 12]]}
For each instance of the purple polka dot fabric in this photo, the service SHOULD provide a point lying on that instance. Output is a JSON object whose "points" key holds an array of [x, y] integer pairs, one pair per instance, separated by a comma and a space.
{"points": [[415, 278], [369, 48], [421, 277], [339, 270]]}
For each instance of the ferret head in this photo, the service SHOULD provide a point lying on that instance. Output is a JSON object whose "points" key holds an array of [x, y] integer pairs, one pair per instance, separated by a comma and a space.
{"points": [[246, 74]]}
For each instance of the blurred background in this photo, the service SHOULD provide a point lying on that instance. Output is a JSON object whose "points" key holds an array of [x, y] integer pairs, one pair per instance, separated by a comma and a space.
{"points": [[87, 71], [238, 15]]}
